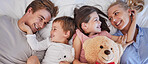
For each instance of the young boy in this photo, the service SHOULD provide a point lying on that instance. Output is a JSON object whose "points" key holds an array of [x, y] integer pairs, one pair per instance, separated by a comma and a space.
{"points": [[63, 29]]}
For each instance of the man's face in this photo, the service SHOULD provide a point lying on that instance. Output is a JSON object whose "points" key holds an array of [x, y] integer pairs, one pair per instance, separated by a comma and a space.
{"points": [[37, 20]]}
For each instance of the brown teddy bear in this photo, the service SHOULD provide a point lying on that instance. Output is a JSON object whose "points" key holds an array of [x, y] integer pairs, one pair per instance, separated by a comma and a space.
{"points": [[102, 50]]}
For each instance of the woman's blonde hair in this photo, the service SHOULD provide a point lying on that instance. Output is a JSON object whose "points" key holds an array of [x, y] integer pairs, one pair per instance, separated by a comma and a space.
{"points": [[136, 4], [130, 4]]}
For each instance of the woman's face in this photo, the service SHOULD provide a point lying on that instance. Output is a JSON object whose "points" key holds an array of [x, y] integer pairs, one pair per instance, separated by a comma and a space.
{"points": [[119, 17]]}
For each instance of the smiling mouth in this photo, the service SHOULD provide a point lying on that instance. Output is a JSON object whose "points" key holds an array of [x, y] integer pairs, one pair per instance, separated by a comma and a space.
{"points": [[98, 26], [36, 28], [107, 59], [118, 23], [51, 36]]}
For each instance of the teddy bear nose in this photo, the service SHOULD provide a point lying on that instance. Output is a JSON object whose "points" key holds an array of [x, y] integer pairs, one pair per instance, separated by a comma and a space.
{"points": [[107, 52]]}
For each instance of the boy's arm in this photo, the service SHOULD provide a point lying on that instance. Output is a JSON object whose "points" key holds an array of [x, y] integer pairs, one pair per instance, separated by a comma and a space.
{"points": [[132, 29], [32, 41], [35, 44]]}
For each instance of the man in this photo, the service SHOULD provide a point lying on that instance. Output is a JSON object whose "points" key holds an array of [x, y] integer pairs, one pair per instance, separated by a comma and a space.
{"points": [[14, 48]]}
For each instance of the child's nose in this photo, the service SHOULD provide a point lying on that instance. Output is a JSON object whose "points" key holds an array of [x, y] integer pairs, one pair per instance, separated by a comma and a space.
{"points": [[99, 22]]}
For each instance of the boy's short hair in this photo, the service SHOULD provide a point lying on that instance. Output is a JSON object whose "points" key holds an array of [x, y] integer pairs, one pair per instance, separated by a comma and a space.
{"points": [[67, 24], [43, 4]]}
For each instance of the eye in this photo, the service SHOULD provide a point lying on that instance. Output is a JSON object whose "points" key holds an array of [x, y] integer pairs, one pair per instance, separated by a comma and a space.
{"points": [[96, 19], [101, 46], [111, 48], [110, 19], [41, 19], [65, 56], [54, 29], [116, 13]]}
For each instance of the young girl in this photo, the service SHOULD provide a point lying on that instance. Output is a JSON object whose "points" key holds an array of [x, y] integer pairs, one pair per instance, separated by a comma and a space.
{"points": [[90, 23], [135, 53]]}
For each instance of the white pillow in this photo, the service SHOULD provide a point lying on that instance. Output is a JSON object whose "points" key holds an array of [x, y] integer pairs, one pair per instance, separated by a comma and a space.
{"points": [[13, 8], [142, 17]]}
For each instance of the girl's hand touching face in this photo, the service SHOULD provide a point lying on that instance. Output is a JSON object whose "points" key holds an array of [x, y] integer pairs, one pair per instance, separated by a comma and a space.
{"points": [[64, 62], [122, 40]]}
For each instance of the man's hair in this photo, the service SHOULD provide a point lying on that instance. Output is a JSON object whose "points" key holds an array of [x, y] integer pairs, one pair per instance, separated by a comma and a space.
{"points": [[67, 24], [43, 4]]}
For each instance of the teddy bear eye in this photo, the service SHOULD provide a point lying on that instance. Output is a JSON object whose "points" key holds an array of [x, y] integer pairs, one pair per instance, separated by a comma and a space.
{"points": [[65, 56], [111, 48], [101, 46]]}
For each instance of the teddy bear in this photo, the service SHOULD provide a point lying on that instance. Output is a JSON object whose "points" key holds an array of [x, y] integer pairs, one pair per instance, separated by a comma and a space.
{"points": [[58, 52], [102, 50]]}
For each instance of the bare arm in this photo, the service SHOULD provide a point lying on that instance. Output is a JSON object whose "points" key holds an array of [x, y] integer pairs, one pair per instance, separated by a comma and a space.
{"points": [[114, 38], [132, 29], [77, 46]]}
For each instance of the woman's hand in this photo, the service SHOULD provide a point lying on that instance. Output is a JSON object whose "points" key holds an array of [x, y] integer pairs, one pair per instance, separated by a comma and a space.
{"points": [[134, 14]]}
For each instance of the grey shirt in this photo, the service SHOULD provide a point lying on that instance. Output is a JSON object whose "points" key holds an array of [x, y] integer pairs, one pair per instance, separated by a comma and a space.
{"points": [[14, 48]]}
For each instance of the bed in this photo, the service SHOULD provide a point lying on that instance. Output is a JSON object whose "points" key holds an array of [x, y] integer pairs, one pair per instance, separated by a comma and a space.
{"points": [[16, 9]]}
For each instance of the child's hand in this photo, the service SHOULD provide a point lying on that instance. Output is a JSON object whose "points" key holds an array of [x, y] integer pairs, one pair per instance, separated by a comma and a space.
{"points": [[122, 40], [26, 28], [64, 62]]}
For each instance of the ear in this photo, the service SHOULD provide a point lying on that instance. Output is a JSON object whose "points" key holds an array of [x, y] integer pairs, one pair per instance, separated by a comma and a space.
{"points": [[84, 26], [30, 10], [67, 34], [129, 12]]}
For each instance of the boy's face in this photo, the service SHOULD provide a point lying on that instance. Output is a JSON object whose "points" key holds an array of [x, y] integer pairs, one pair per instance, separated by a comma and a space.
{"points": [[57, 33]]}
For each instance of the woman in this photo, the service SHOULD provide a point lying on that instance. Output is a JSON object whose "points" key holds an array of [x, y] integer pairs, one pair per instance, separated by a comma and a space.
{"points": [[121, 17]]}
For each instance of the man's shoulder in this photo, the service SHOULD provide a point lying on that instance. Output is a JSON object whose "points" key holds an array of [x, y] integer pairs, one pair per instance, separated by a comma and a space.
{"points": [[6, 17]]}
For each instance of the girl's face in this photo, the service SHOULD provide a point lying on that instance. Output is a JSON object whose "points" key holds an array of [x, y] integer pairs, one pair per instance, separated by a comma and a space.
{"points": [[94, 23], [57, 33], [119, 17]]}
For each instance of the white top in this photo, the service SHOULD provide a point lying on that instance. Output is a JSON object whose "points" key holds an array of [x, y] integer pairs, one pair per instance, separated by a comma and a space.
{"points": [[55, 53]]}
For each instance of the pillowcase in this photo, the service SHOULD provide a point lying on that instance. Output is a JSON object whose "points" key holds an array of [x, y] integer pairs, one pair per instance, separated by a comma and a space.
{"points": [[13, 8]]}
